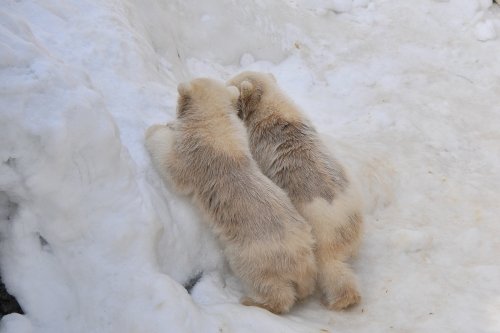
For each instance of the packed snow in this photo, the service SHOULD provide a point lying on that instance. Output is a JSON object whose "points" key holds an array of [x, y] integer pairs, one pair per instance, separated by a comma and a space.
{"points": [[406, 93]]}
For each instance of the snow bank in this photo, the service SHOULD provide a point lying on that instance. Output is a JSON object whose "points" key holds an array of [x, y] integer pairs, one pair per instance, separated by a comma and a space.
{"points": [[404, 92], [79, 233]]}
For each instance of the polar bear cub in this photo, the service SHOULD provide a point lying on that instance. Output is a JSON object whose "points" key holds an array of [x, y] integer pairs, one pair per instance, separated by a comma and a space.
{"points": [[205, 153], [289, 151]]}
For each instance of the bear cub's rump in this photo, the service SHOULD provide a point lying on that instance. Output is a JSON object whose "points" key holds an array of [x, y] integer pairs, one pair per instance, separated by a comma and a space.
{"points": [[205, 153], [289, 151]]}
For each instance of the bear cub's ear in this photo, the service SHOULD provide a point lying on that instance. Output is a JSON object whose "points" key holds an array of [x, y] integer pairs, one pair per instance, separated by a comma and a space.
{"points": [[246, 89], [272, 77], [184, 88], [234, 93]]}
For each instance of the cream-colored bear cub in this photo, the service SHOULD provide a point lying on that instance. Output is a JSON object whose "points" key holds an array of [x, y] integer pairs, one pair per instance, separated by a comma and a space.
{"points": [[289, 152], [205, 153]]}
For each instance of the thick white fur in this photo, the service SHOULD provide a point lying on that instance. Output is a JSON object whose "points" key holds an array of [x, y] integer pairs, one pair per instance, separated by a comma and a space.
{"points": [[335, 278], [205, 153], [290, 152], [159, 142]]}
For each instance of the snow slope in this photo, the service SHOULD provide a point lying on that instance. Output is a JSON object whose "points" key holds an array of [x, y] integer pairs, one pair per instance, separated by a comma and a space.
{"points": [[407, 93]]}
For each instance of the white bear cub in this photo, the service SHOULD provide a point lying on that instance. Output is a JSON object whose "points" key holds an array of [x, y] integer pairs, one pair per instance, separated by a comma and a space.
{"points": [[289, 152], [205, 154]]}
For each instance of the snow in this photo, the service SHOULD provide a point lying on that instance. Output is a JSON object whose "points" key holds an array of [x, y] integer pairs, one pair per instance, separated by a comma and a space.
{"points": [[404, 92], [485, 31]]}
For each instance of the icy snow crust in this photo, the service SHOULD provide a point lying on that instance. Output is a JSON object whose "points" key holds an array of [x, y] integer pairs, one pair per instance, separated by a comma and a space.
{"points": [[407, 93]]}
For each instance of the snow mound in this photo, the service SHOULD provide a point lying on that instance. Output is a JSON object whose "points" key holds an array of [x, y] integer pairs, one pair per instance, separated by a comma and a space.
{"points": [[485, 31]]}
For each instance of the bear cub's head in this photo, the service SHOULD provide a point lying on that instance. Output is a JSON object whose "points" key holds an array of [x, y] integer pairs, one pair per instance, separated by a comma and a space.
{"points": [[252, 86], [205, 95]]}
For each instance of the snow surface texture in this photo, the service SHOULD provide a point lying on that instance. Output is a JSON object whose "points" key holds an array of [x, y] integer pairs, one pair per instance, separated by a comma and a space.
{"points": [[407, 93]]}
